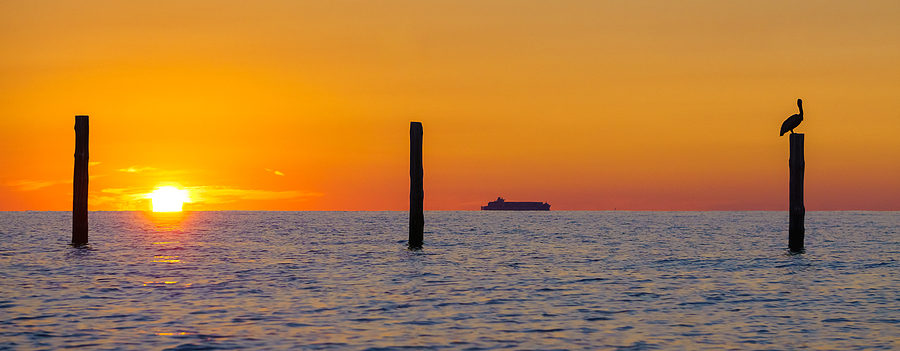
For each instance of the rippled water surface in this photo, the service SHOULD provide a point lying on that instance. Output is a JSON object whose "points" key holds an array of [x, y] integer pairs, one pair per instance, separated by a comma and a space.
{"points": [[485, 280]]}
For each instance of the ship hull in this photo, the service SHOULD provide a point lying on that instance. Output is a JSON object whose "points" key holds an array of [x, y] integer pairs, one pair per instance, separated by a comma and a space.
{"points": [[516, 206], [485, 208]]}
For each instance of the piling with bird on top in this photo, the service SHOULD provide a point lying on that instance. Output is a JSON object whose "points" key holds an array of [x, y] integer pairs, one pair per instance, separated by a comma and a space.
{"points": [[797, 164]]}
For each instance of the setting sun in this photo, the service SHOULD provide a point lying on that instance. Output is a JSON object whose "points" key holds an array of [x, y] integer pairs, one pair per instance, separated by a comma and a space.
{"points": [[168, 199]]}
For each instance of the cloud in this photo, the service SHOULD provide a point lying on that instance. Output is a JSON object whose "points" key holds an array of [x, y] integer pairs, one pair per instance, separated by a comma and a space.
{"points": [[123, 199], [134, 192], [220, 195], [136, 169], [136, 199], [93, 163], [28, 185], [99, 200], [276, 172]]}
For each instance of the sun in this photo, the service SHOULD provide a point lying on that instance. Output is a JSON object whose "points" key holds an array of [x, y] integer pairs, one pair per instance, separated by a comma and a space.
{"points": [[168, 199]]}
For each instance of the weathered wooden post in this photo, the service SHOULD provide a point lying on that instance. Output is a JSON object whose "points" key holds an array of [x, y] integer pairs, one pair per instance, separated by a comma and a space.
{"points": [[797, 210], [80, 183], [416, 187]]}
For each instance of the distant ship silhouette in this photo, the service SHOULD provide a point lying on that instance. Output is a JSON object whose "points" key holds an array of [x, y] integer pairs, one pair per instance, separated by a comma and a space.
{"points": [[502, 205]]}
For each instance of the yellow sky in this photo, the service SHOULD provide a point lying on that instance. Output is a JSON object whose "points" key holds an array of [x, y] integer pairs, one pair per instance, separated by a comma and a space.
{"points": [[586, 105]]}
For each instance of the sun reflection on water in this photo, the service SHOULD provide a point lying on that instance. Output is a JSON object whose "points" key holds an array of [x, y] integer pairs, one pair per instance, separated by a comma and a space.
{"points": [[166, 221], [166, 259], [166, 234], [162, 282]]}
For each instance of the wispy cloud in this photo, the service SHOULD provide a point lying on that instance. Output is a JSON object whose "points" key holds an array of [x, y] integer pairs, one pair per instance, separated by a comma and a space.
{"points": [[220, 195], [136, 198], [28, 185], [276, 172], [123, 199], [136, 169], [93, 163], [100, 199]]}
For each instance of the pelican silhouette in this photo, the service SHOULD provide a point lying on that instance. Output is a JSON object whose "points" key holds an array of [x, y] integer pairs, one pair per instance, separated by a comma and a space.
{"points": [[793, 121]]}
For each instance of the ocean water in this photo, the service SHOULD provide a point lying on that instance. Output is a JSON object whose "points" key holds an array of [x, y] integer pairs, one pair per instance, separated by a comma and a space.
{"points": [[611, 280]]}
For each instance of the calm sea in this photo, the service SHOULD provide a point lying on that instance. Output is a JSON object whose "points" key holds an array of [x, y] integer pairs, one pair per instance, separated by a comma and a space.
{"points": [[485, 280]]}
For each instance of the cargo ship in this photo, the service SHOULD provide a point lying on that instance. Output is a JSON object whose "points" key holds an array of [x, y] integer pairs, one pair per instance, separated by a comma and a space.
{"points": [[503, 205]]}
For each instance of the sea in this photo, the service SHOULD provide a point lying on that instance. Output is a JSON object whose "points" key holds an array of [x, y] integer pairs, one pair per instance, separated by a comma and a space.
{"points": [[484, 280]]}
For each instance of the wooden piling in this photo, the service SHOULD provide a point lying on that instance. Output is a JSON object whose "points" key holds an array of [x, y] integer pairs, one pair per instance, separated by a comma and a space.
{"points": [[416, 187], [797, 210], [80, 183]]}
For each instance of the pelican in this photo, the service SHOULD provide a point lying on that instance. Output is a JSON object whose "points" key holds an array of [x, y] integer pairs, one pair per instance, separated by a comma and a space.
{"points": [[793, 121]]}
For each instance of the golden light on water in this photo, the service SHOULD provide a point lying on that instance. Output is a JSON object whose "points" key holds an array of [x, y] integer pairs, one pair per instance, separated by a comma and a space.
{"points": [[166, 259], [168, 199]]}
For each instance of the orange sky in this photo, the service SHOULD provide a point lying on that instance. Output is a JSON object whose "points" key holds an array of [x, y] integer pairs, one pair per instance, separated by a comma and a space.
{"points": [[589, 105]]}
